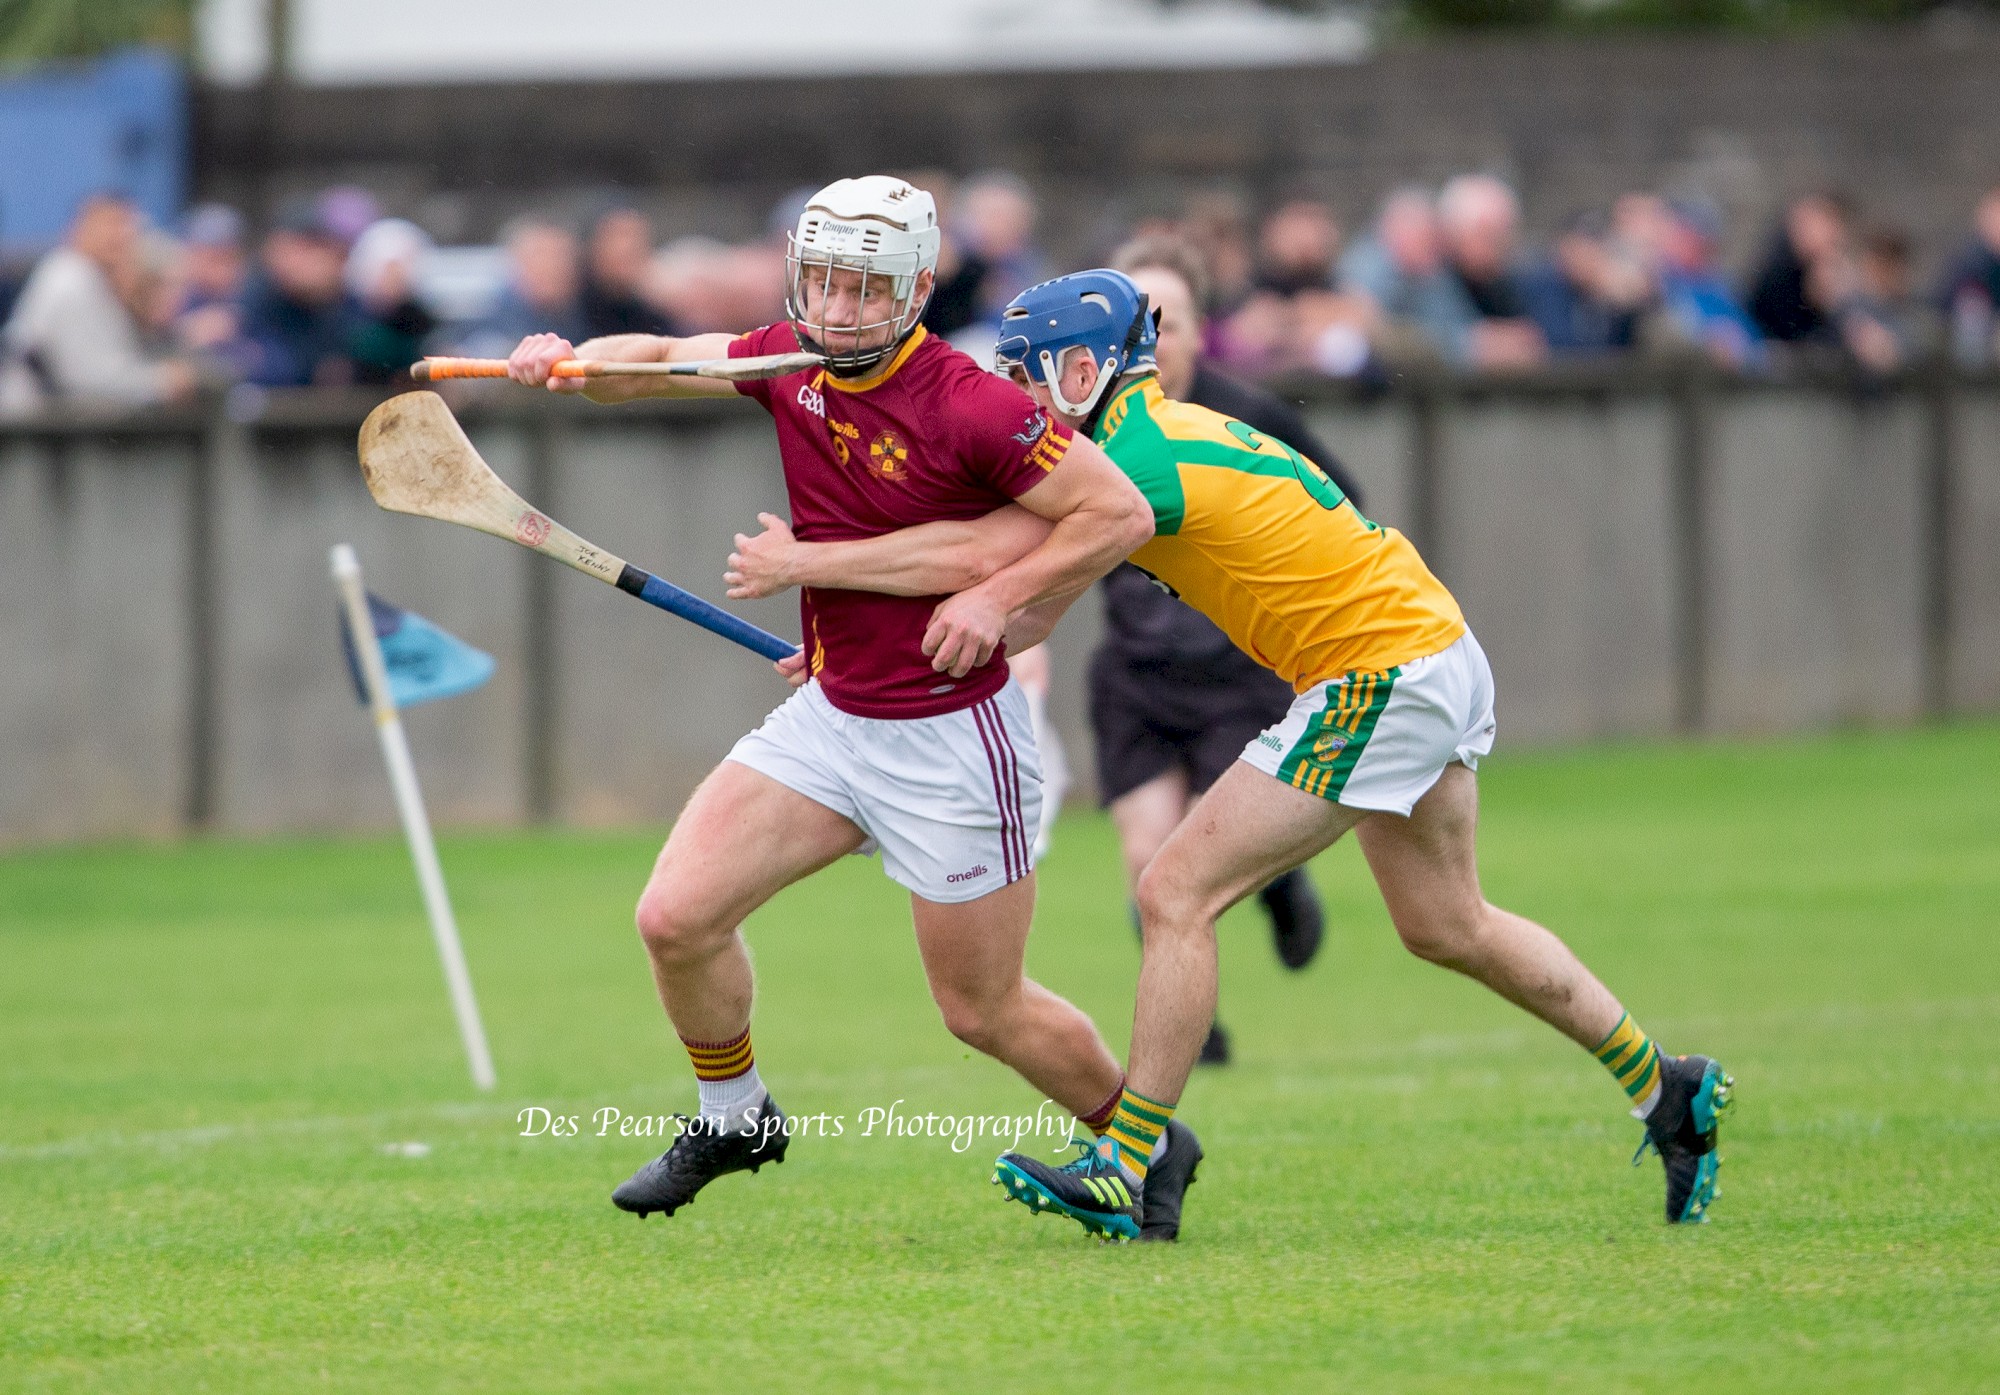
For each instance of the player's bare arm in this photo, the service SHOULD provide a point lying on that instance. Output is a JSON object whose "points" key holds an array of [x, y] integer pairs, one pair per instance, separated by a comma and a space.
{"points": [[930, 559], [1100, 518], [1035, 624], [535, 356], [1067, 531]]}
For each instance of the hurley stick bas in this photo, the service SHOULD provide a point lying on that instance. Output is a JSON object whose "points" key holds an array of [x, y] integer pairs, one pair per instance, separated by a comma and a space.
{"points": [[416, 460]]}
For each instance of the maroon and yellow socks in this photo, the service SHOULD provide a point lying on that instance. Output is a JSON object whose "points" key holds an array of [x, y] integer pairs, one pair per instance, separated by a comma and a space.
{"points": [[1099, 1119], [1136, 1127], [726, 1074], [1634, 1062]]}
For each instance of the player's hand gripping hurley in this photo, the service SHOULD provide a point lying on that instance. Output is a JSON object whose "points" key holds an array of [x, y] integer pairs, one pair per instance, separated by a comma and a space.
{"points": [[417, 460]]}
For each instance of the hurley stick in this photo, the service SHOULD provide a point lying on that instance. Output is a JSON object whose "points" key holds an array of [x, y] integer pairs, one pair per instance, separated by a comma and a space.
{"points": [[416, 459], [734, 370]]}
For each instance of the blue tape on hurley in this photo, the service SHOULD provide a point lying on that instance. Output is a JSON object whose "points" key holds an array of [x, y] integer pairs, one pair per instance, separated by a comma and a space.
{"points": [[711, 617]]}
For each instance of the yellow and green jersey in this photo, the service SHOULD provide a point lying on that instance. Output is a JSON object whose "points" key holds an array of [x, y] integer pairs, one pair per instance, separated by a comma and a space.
{"points": [[1258, 538]]}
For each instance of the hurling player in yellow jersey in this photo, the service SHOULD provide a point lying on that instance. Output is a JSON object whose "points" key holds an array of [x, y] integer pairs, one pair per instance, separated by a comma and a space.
{"points": [[1394, 710]]}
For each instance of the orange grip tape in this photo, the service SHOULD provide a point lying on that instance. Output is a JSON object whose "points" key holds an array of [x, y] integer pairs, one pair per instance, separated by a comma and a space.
{"points": [[433, 370]]}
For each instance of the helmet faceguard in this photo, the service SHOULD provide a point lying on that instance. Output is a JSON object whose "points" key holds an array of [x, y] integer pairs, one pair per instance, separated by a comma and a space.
{"points": [[1101, 313], [858, 237]]}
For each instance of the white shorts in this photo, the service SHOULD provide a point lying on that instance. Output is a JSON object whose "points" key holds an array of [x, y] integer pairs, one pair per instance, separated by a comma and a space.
{"points": [[1379, 741], [952, 801]]}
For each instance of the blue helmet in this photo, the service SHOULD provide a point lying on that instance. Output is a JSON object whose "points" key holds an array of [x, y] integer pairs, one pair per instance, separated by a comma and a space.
{"points": [[1100, 312]]}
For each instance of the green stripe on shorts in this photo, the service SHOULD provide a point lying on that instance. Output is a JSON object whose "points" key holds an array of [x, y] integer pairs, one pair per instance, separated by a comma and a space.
{"points": [[1325, 754]]}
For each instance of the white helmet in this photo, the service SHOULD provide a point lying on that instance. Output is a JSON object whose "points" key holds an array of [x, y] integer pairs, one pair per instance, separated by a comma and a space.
{"points": [[877, 225]]}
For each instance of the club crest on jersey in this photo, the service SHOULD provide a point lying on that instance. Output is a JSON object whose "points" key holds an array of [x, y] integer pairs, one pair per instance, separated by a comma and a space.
{"points": [[889, 456], [1031, 434], [1328, 746]]}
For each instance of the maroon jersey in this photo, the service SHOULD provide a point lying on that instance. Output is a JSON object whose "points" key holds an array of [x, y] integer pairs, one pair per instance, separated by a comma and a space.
{"points": [[929, 435]]}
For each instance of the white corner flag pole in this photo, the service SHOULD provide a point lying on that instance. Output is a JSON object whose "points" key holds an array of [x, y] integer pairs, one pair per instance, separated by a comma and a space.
{"points": [[410, 804]]}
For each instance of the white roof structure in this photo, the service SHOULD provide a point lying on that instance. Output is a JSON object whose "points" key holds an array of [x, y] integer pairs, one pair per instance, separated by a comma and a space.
{"points": [[359, 42]]}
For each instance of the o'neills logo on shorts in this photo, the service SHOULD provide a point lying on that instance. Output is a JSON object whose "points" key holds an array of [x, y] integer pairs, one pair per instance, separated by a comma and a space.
{"points": [[977, 870]]}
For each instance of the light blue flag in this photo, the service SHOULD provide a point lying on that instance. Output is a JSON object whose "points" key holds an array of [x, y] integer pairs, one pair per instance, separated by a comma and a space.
{"points": [[424, 662]]}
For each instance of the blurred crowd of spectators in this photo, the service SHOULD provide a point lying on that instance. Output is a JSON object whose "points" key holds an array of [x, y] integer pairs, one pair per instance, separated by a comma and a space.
{"points": [[333, 293], [1444, 275]]}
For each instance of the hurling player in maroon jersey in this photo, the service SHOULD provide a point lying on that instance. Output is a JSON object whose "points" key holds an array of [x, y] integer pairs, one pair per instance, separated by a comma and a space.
{"points": [[908, 734]]}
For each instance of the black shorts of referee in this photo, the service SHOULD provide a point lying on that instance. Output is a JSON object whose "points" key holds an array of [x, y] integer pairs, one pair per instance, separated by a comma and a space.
{"points": [[1191, 707]]}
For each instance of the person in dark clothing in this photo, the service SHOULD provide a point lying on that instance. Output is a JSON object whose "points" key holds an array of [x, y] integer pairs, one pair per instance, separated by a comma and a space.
{"points": [[617, 251], [394, 324], [989, 255], [1970, 292], [1172, 701], [1480, 220], [955, 301], [297, 313], [1582, 297], [1793, 294]]}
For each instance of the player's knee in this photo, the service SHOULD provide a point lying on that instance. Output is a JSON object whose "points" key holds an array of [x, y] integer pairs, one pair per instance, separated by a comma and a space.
{"points": [[671, 927], [1167, 905], [975, 1021], [1440, 934]]}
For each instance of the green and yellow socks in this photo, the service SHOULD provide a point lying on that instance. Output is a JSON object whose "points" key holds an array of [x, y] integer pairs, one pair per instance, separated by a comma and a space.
{"points": [[726, 1074], [1634, 1062], [1136, 1126]]}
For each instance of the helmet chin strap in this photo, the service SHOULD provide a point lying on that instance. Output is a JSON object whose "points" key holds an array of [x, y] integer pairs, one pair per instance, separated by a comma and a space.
{"points": [[1087, 408], [1052, 376]]}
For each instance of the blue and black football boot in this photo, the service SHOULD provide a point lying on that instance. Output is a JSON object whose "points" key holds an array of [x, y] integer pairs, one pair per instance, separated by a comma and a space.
{"points": [[1092, 1189], [1694, 1093]]}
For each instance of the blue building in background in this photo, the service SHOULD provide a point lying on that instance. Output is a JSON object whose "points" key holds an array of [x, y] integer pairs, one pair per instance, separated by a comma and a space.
{"points": [[69, 131]]}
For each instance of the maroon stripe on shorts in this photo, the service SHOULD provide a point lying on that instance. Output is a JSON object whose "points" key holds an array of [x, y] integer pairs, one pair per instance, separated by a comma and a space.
{"points": [[1010, 776], [1013, 770], [999, 790], [1010, 767]]}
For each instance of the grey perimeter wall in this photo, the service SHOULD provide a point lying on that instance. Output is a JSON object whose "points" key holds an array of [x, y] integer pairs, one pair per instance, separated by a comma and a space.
{"points": [[1639, 559], [1907, 118]]}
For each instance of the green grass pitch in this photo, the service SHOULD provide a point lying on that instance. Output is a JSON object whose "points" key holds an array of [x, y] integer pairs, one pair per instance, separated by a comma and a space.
{"points": [[205, 1050]]}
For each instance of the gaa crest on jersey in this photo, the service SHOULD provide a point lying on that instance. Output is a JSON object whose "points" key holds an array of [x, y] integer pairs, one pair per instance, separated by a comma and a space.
{"points": [[889, 456]]}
